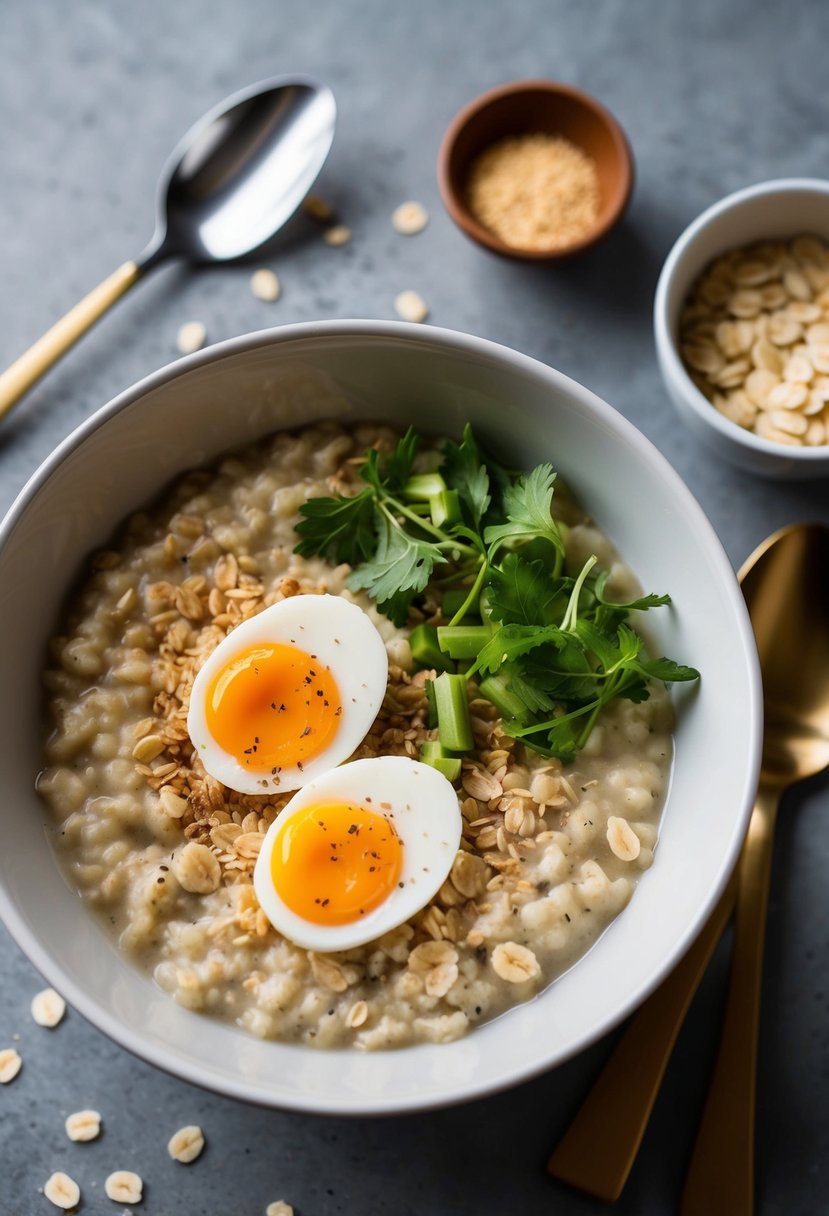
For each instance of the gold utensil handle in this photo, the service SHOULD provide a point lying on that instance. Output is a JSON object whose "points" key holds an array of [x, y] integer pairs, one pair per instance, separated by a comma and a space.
{"points": [[22, 374], [721, 1175], [598, 1149]]}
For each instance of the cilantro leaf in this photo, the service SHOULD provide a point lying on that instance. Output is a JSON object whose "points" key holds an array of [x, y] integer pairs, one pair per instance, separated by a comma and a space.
{"points": [[339, 528], [398, 466], [523, 592], [401, 563], [605, 648], [527, 507], [667, 670], [641, 604], [511, 641], [528, 691], [464, 470]]}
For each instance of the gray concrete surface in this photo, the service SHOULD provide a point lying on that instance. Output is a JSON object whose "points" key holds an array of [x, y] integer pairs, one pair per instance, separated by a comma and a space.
{"points": [[714, 96]]}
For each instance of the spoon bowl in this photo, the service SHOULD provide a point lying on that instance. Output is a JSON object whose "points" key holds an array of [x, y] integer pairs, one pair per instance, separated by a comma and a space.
{"points": [[242, 171], [787, 591], [230, 184]]}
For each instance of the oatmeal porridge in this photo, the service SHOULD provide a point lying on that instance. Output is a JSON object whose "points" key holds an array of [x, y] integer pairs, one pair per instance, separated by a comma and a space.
{"points": [[550, 851]]}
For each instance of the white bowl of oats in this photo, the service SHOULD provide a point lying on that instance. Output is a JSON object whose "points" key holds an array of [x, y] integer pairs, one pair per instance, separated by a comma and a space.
{"points": [[593, 844], [741, 320]]}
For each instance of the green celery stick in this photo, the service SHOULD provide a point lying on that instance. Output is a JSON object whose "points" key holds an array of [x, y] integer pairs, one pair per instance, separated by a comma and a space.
{"points": [[454, 726], [426, 652], [463, 641], [424, 486], [497, 690], [445, 508]]}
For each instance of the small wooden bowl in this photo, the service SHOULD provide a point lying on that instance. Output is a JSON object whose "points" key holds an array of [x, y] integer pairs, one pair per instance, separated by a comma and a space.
{"points": [[532, 106]]}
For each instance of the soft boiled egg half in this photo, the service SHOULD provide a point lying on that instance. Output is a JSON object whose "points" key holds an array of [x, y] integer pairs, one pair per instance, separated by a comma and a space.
{"points": [[357, 852], [288, 694]]}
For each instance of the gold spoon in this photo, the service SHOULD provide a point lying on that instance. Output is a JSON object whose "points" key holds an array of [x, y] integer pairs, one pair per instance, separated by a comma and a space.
{"points": [[786, 586], [615, 1112]]}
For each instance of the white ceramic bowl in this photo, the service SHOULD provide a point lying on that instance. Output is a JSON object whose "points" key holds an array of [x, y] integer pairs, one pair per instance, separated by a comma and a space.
{"points": [[233, 393], [774, 209]]}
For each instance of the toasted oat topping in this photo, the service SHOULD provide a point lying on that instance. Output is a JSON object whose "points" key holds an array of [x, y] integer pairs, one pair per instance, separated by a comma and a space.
{"points": [[514, 963], [623, 841]]}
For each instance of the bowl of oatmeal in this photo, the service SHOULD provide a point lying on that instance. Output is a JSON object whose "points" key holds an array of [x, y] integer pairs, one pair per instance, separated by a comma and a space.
{"points": [[166, 522]]}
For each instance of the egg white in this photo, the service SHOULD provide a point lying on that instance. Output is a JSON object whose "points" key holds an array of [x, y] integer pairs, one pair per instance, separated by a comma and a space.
{"points": [[427, 819], [341, 637]]}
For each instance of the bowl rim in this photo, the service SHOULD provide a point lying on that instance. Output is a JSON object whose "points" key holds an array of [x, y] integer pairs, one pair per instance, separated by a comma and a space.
{"points": [[463, 217], [673, 369], [458, 343]]}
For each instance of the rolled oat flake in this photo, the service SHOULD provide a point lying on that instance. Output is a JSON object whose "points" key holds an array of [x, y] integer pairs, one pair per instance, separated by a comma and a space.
{"points": [[48, 1008], [10, 1065], [123, 1186], [410, 306], [191, 337], [265, 285], [83, 1125], [62, 1191], [186, 1144], [410, 218]]}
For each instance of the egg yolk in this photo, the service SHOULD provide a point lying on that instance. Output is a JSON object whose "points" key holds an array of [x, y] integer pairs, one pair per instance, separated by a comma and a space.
{"points": [[334, 863], [272, 707]]}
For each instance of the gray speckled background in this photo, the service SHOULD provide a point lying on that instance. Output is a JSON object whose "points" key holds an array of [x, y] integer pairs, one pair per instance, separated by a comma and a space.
{"points": [[714, 96]]}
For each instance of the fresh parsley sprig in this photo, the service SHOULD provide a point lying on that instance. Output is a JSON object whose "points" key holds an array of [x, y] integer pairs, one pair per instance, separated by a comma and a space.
{"points": [[393, 548], [546, 646]]}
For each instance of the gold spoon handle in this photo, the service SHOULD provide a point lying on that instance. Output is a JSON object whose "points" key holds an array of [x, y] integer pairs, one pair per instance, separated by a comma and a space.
{"points": [[615, 1113], [22, 374], [721, 1174]]}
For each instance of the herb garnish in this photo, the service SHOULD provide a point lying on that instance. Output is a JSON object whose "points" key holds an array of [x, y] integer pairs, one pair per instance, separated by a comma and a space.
{"points": [[546, 646]]}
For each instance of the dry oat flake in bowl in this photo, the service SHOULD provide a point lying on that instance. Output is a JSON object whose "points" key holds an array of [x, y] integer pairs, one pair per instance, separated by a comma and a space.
{"points": [[754, 336], [511, 674]]}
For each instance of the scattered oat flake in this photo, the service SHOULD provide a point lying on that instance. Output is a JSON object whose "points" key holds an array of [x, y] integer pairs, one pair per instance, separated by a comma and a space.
{"points": [[123, 1186], [48, 1008], [265, 285], [410, 218], [191, 337], [280, 1208], [410, 306], [10, 1065], [318, 208], [338, 235], [83, 1125], [62, 1191], [186, 1144]]}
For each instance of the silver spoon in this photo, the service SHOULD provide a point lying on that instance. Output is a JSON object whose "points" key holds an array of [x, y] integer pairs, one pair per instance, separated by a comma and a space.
{"points": [[232, 182]]}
